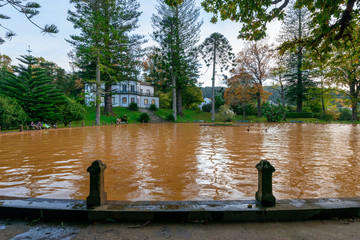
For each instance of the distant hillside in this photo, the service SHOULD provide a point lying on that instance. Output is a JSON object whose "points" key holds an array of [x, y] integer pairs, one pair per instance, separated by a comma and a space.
{"points": [[207, 91]]}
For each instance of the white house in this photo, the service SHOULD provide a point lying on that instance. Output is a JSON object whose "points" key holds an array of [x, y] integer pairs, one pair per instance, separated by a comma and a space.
{"points": [[125, 93], [206, 101]]}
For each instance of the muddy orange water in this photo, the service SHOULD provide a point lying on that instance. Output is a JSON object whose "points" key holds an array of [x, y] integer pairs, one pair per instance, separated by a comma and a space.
{"points": [[183, 161]]}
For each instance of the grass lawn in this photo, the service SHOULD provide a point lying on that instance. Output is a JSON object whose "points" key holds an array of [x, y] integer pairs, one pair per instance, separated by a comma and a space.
{"points": [[189, 115]]}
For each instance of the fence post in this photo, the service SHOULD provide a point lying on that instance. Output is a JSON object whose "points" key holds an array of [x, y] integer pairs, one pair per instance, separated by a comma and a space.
{"points": [[97, 196], [264, 194]]}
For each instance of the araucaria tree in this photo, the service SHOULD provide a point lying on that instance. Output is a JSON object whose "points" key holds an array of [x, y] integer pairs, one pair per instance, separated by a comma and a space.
{"points": [[29, 9], [176, 30], [256, 58], [33, 90], [216, 51], [104, 42]]}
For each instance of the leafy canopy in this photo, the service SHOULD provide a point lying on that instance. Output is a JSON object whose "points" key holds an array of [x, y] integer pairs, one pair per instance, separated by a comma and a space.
{"points": [[331, 20]]}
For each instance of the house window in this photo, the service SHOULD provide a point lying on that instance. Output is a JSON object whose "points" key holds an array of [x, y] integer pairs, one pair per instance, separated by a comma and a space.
{"points": [[145, 102], [113, 100], [141, 90], [148, 92], [124, 88], [132, 99], [124, 100], [132, 88], [153, 101]]}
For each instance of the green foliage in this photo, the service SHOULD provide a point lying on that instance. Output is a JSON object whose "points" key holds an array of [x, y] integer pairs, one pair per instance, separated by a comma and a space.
{"points": [[328, 117], [224, 114], [219, 101], [299, 115], [176, 30], [33, 90], [153, 108], [165, 100], [144, 117], [345, 114], [11, 113], [30, 9], [273, 113], [330, 20], [170, 117], [133, 107], [206, 107], [191, 95], [105, 38], [71, 111]]}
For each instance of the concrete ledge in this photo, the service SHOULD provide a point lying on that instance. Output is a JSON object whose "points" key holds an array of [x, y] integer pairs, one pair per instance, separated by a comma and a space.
{"points": [[240, 211]]}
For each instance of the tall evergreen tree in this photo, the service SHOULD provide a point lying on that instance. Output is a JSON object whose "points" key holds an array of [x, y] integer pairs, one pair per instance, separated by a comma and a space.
{"points": [[33, 90], [216, 50], [176, 30], [105, 48], [296, 27]]}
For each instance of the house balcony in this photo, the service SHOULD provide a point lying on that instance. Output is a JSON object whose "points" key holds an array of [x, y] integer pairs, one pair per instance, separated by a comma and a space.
{"points": [[135, 93]]}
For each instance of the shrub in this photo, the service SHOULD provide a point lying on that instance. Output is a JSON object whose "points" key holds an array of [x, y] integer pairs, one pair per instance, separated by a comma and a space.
{"points": [[306, 110], [345, 114], [273, 113], [206, 107], [170, 117], [133, 107], [224, 114], [11, 114], [153, 108], [144, 117], [71, 111], [298, 115]]}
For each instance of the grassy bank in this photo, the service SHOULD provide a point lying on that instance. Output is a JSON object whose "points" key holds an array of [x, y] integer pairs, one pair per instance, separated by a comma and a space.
{"points": [[189, 116]]}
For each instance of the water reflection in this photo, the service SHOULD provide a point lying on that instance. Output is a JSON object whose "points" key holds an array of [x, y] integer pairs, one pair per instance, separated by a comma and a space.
{"points": [[182, 161]]}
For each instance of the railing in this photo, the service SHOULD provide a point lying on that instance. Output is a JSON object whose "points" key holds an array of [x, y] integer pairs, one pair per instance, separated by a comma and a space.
{"points": [[98, 196], [135, 93]]}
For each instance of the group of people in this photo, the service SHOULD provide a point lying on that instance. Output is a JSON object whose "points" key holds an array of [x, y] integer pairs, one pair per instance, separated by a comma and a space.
{"points": [[38, 126], [123, 119]]}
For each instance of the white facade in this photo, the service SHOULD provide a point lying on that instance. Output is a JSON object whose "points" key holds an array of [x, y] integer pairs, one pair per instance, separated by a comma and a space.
{"points": [[125, 93]]}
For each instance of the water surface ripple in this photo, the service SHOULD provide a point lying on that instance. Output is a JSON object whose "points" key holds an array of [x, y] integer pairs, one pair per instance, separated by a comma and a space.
{"points": [[183, 161]]}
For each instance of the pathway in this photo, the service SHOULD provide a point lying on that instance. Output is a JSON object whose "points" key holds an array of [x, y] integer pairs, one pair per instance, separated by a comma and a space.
{"points": [[153, 117]]}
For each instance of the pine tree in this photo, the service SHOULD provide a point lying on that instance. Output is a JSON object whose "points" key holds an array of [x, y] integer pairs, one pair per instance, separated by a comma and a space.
{"points": [[295, 28], [176, 30], [105, 48], [33, 90]]}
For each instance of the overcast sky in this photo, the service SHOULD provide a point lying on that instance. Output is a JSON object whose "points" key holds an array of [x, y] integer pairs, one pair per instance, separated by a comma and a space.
{"points": [[55, 48]]}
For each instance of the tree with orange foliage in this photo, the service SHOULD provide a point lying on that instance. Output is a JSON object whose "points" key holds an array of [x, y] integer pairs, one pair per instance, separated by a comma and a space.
{"points": [[256, 59], [241, 90]]}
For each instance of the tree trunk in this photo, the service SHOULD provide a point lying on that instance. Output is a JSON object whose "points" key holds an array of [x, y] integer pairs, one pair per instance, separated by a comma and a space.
{"points": [[179, 108], [98, 96], [283, 102], [258, 96], [243, 117], [213, 87], [299, 87], [354, 98], [174, 95], [108, 98]]}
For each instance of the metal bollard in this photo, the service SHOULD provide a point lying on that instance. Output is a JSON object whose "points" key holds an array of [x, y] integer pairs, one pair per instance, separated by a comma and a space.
{"points": [[264, 194], [97, 196]]}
